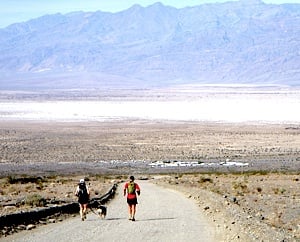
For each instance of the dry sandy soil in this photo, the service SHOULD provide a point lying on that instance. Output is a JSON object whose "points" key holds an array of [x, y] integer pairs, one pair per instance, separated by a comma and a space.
{"points": [[249, 207], [255, 202]]}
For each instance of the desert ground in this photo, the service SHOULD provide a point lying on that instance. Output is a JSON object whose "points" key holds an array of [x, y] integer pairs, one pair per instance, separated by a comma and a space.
{"points": [[43, 161], [156, 220]]}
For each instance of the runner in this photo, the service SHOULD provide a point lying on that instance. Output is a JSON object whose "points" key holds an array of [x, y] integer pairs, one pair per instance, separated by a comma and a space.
{"points": [[83, 194], [132, 189]]}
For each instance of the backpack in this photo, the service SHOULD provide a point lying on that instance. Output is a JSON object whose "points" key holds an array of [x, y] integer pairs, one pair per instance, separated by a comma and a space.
{"points": [[82, 192], [131, 188]]}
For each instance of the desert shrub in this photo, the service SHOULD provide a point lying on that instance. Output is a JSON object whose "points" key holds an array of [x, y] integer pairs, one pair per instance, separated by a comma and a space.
{"points": [[63, 181], [40, 186], [253, 172], [279, 190], [259, 189], [205, 179], [240, 187], [11, 180], [103, 178], [52, 177], [13, 190], [178, 176], [29, 187], [35, 200], [24, 180], [216, 190]]}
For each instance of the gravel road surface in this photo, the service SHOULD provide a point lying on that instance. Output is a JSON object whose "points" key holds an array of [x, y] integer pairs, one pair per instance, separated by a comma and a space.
{"points": [[162, 215]]}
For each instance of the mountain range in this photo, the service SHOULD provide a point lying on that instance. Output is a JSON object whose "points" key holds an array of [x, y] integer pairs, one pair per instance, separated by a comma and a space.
{"points": [[243, 42]]}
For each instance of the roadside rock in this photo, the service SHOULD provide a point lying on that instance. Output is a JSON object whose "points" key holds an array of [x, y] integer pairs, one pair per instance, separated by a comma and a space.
{"points": [[30, 226]]}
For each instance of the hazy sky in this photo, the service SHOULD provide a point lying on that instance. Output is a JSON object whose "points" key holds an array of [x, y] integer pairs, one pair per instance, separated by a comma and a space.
{"points": [[12, 11]]}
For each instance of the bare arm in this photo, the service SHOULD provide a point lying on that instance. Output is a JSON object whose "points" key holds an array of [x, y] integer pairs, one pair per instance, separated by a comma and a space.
{"points": [[125, 189], [138, 190], [76, 191]]}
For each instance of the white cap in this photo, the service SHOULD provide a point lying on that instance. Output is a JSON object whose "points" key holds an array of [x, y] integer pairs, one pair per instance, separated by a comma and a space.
{"points": [[81, 181]]}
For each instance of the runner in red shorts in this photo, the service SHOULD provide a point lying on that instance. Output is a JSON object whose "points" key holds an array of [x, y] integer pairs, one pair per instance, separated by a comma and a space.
{"points": [[132, 189]]}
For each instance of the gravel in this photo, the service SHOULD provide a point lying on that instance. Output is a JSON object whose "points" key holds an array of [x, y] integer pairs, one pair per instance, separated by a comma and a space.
{"points": [[162, 215]]}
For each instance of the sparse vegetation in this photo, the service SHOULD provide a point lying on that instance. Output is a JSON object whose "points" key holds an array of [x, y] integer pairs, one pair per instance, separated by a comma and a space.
{"points": [[24, 179], [279, 190], [160, 142], [240, 187], [22, 196], [261, 188], [205, 179], [271, 198], [35, 200]]}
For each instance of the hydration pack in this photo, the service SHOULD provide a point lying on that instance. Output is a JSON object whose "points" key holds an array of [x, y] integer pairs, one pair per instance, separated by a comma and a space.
{"points": [[82, 192], [131, 188]]}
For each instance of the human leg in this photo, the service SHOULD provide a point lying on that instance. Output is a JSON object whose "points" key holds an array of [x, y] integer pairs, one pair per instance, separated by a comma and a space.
{"points": [[130, 211], [81, 212], [84, 210], [133, 209]]}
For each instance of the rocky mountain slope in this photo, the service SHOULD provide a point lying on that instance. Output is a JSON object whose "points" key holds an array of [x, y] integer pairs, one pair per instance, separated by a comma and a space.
{"points": [[233, 42]]}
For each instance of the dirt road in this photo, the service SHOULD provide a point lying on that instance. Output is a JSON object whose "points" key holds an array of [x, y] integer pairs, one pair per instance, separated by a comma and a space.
{"points": [[162, 215]]}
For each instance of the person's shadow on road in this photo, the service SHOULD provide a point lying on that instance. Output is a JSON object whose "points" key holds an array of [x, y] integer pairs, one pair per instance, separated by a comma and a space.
{"points": [[148, 219], [151, 219]]}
